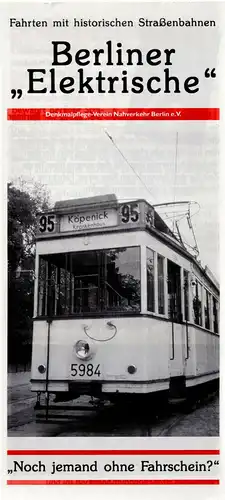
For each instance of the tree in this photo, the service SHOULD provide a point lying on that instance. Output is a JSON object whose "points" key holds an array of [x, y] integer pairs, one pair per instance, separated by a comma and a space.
{"points": [[22, 208]]}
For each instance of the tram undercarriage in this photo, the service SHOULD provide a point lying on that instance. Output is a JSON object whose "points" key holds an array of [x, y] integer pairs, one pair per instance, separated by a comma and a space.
{"points": [[177, 392]]}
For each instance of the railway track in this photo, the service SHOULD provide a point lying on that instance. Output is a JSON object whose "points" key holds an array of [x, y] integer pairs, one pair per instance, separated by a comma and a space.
{"points": [[85, 418], [115, 420]]}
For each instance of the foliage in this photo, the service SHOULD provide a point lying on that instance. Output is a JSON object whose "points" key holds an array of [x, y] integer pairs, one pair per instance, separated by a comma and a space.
{"points": [[22, 208]]}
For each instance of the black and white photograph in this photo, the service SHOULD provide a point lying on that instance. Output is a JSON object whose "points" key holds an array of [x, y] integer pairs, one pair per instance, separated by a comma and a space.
{"points": [[114, 296]]}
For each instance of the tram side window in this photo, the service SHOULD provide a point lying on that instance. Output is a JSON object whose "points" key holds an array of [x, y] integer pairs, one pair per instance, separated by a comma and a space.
{"points": [[206, 308], [150, 281], [174, 292], [42, 288], [186, 295], [197, 303], [161, 297], [215, 316], [122, 279]]}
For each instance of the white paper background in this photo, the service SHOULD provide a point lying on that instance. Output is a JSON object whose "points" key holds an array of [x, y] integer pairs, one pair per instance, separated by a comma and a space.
{"points": [[196, 50], [101, 492]]}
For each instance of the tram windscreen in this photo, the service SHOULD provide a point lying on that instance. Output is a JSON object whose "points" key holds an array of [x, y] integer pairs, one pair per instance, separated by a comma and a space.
{"points": [[91, 282]]}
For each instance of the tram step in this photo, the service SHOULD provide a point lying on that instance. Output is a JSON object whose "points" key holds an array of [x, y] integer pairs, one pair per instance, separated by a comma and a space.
{"points": [[57, 418], [174, 401], [70, 408]]}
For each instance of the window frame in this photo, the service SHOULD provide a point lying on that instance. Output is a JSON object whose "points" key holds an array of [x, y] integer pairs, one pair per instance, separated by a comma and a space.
{"points": [[143, 290], [217, 315], [96, 313], [198, 294], [159, 255], [149, 311], [204, 289], [156, 312], [187, 290], [207, 306]]}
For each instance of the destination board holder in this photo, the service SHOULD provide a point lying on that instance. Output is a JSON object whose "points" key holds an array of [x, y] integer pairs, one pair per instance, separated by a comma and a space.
{"points": [[95, 218]]}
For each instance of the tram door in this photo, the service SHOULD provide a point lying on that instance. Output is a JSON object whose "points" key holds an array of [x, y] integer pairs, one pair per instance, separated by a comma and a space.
{"points": [[175, 316]]}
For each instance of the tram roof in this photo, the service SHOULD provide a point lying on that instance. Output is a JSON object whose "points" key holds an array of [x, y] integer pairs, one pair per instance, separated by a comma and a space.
{"points": [[92, 201], [108, 200]]}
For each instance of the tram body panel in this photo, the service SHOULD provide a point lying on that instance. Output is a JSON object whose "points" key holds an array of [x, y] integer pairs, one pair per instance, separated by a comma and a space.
{"points": [[176, 355], [182, 360], [139, 342], [151, 354], [207, 352], [202, 364], [190, 351], [182, 356]]}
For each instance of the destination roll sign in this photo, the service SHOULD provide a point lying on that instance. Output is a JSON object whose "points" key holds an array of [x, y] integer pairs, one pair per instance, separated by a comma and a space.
{"points": [[82, 221], [99, 218]]}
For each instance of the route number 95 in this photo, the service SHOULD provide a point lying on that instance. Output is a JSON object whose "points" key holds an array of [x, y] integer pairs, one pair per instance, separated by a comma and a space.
{"points": [[47, 223], [130, 213]]}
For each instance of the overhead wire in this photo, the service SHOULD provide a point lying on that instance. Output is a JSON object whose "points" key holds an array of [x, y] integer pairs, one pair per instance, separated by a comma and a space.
{"points": [[129, 164], [186, 214]]}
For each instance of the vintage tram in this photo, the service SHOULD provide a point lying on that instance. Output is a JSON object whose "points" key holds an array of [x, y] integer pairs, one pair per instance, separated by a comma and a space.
{"points": [[121, 308]]}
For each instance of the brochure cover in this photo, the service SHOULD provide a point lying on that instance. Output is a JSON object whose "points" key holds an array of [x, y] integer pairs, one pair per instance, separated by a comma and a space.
{"points": [[111, 145]]}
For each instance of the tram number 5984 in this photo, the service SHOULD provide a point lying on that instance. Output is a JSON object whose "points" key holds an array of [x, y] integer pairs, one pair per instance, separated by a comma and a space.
{"points": [[85, 370], [130, 213]]}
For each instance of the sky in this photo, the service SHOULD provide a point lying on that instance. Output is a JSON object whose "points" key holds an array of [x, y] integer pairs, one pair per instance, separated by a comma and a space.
{"points": [[78, 159]]}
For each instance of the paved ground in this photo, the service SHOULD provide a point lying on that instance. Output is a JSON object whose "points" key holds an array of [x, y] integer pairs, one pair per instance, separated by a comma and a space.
{"points": [[18, 378], [203, 421]]}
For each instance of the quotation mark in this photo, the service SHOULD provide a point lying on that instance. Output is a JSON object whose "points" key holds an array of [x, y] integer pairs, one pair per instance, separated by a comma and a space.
{"points": [[210, 73], [16, 92]]}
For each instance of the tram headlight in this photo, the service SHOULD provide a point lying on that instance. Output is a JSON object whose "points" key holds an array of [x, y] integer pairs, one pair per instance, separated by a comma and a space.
{"points": [[82, 349], [41, 369]]}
